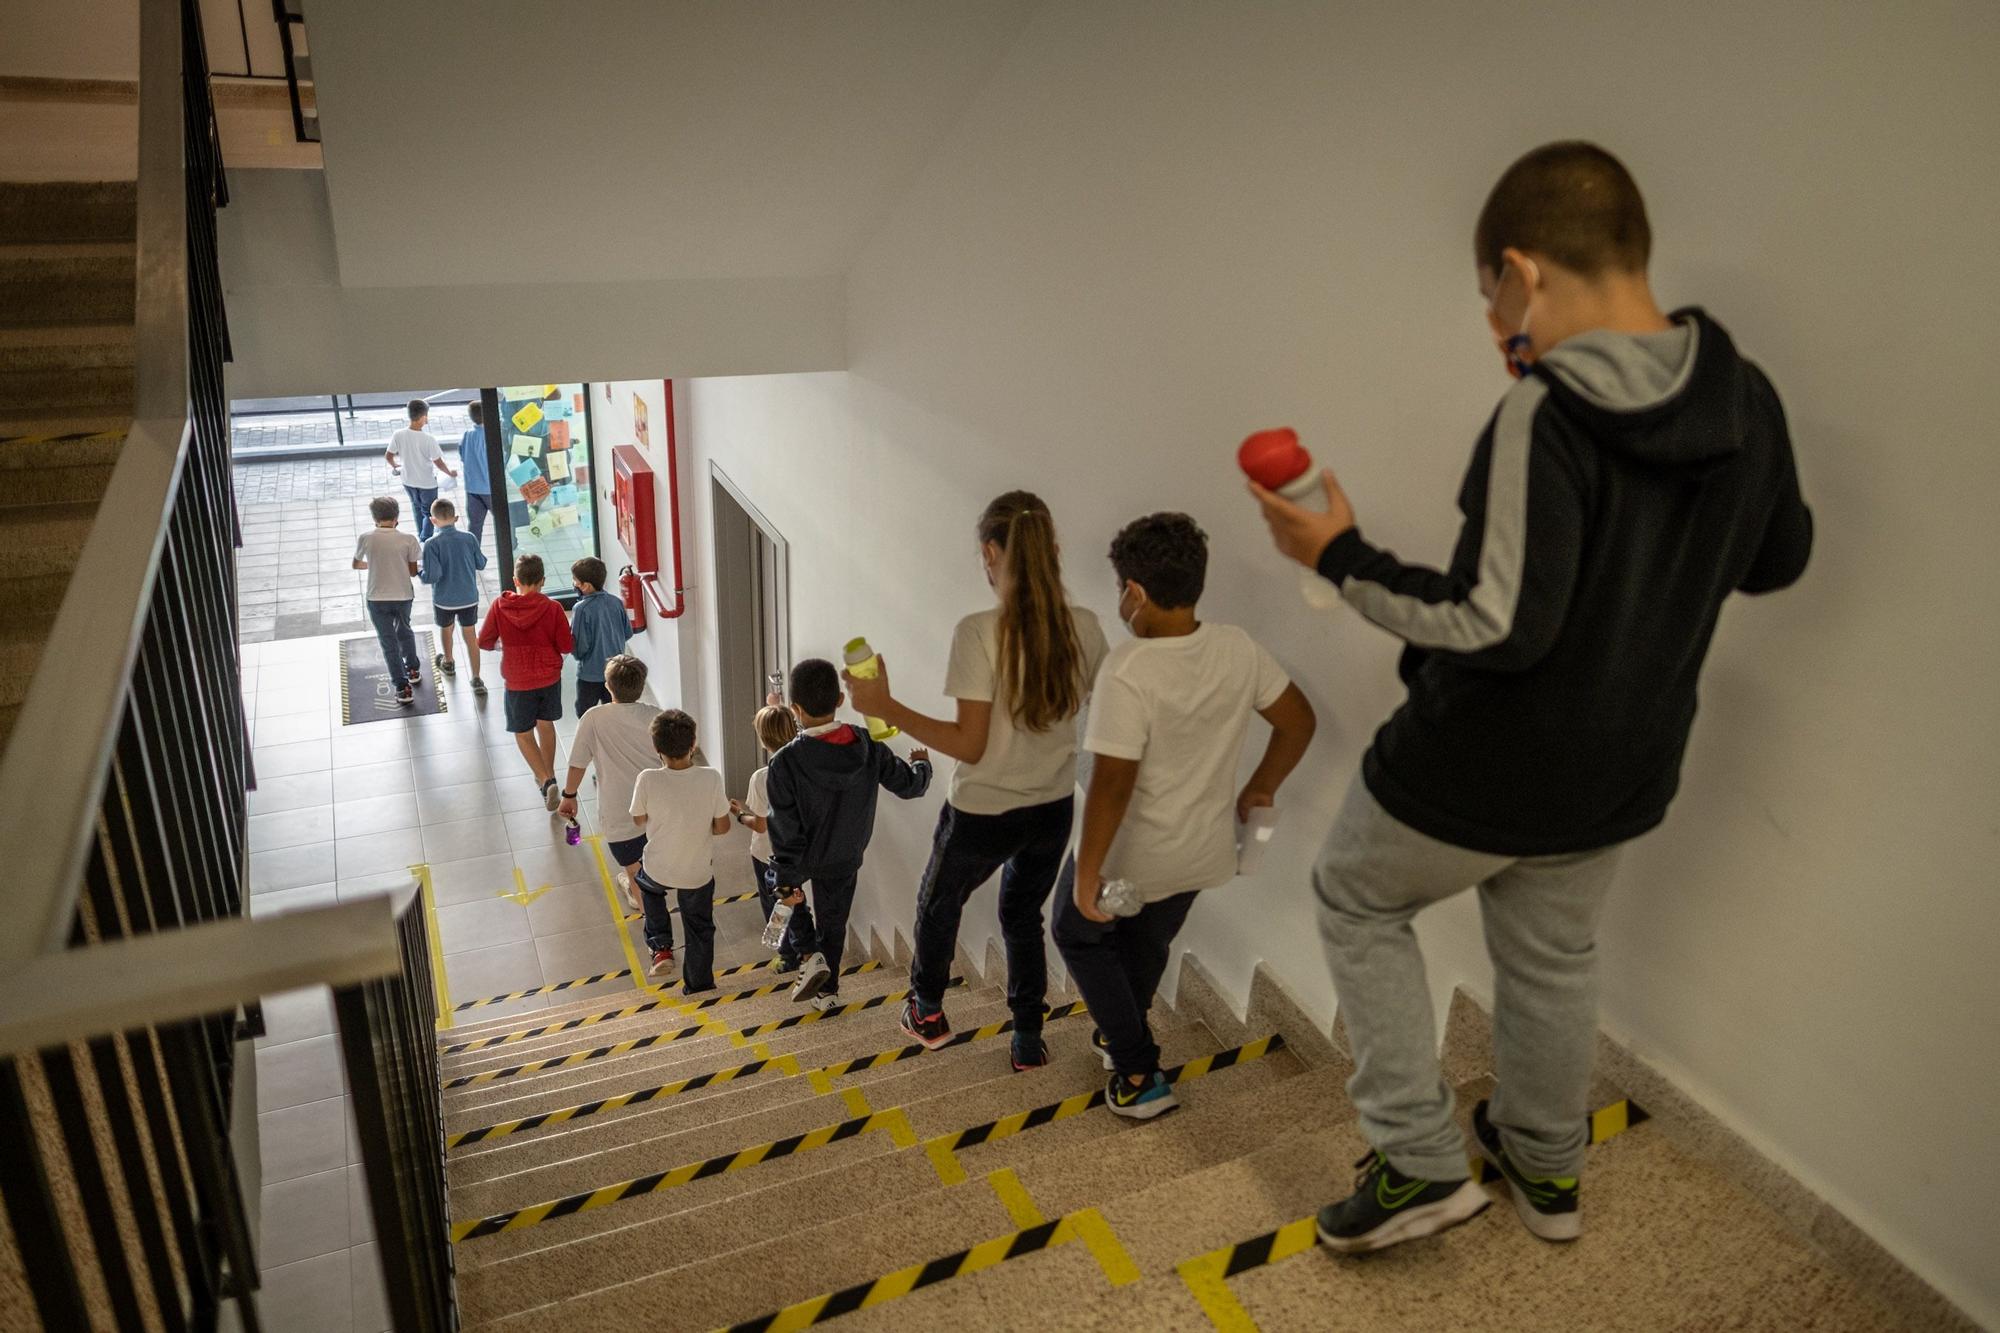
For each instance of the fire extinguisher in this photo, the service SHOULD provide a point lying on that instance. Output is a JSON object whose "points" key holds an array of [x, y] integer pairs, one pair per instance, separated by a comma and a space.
{"points": [[635, 597]]}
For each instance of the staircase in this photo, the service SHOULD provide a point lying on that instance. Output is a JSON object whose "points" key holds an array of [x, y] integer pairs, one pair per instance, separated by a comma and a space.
{"points": [[748, 1164], [66, 307]]}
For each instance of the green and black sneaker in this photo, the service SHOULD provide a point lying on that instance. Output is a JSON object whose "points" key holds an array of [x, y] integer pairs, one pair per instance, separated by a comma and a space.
{"points": [[1550, 1207], [1388, 1208]]}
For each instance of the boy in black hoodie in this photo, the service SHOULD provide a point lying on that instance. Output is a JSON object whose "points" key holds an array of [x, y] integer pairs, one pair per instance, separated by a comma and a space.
{"points": [[822, 792], [1638, 473]]}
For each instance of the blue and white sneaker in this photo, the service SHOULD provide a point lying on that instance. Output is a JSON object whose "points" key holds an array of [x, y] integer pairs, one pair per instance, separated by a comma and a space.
{"points": [[1154, 1097]]}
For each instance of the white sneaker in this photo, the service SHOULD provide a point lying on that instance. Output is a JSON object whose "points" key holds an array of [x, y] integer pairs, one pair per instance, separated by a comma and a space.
{"points": [[627, 892], [813, 976], [826, 1000]]}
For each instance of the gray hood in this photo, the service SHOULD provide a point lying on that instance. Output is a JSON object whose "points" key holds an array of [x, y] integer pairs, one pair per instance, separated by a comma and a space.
{"points": [[1631, 391]]}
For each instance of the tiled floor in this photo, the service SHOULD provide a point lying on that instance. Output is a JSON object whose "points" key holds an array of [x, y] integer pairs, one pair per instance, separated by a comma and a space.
{"points": [[344, 811], [295, 575]]}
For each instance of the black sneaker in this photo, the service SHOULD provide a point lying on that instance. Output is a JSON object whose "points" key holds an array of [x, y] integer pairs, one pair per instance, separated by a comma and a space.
{"points": [[1102, 1047], [478, 685], [1029, 1052], [406, 696], [930, 1029], [786, 965], [1151, 1098], [1547, 1207], [1388, 1207], [445, 666], [416, 675]]}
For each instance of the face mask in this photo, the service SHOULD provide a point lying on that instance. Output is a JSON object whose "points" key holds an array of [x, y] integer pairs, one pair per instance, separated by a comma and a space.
{"points": [[1138, 605], [1515, 348]]}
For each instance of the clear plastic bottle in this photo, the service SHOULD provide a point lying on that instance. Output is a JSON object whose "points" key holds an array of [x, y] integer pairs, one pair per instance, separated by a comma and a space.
{"points": [[774, 929], [865, 665], [1275, 460], [1120, 897]]}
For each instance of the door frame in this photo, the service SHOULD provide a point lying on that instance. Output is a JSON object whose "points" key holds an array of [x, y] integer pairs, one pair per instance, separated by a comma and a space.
{"points": [[782, 620]]}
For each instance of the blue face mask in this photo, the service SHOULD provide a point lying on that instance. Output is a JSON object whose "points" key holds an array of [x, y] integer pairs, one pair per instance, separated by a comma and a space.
{"points": [[1514, 348]]}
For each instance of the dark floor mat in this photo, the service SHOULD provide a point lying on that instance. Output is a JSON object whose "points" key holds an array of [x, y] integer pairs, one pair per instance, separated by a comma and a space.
{"points": [[368, 695]]}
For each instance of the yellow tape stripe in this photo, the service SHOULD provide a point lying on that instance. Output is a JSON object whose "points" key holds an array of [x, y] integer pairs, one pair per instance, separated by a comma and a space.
{"points": [[422, 870], [550, 989], [785, 1064], [618, 915], [1014, 1197], [646, 1042], [1103, 1244]]}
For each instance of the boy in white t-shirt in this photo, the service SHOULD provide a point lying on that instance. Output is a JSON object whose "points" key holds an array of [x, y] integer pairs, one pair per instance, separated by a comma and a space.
{"points": [[1167, 720], [392, 559], [681, 808], [415, 453], [618, 738], [775, 729]]}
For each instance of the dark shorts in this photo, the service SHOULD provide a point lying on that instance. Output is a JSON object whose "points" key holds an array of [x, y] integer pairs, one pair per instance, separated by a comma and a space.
{"points": [[626, 850], [527, 707], [447, 616]]}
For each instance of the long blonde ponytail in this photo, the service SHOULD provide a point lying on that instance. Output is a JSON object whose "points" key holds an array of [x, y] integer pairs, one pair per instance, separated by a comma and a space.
{"points": [[1041, 659]]}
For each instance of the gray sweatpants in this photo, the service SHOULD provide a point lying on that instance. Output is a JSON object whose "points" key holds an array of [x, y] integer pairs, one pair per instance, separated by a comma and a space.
{"points": [[1374, 875]]}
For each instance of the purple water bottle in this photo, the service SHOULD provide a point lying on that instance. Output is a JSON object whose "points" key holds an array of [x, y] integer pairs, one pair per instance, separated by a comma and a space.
{"points": [[573, 833]]}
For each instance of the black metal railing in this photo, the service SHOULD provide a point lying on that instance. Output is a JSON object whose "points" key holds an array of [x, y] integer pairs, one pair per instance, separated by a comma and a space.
{"points": [[298, 69], [388, 1039]]}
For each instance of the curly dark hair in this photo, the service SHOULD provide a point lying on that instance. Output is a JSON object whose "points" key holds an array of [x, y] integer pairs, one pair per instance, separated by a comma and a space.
{"points": [[1166, 554], [673, 733]]}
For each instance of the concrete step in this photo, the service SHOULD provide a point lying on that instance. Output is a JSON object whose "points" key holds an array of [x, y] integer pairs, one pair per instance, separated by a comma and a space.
{"points": [[43, 541], [82, 368], [21, 640], [897, 1084], [1219, 1122], [74, 282], [812, 1045], [54, 211]]}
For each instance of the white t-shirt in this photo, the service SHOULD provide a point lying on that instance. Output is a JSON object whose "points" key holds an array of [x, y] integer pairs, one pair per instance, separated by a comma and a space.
{"points": [[680, 805], [417, 452], [1020, 767], [758, 802], [1180, 707], [389, 552], [618, 738]]}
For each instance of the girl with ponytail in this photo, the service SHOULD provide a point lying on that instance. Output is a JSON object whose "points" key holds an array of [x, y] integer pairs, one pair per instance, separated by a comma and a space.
{"points": [[1020, 672]]}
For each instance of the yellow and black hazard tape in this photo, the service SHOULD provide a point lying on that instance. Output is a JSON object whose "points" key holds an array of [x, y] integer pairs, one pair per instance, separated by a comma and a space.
{"points": [[73, 437], [809, 1016], [630, 917], [741, 968], [821, 1079], [646, 1042], [1207, 1275], [631, 1011], [943, 1150], [893, 1121], [1086, 1225], [549, 989]]}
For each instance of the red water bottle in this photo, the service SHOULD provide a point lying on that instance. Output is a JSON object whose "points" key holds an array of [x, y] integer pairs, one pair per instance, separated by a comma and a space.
{"points": [[1275, 460]]}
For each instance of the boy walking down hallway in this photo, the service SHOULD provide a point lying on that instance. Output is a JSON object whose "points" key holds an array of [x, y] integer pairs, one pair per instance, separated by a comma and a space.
{"points": [[1638, 474], [681, 808], [533, 635], [618, 738], [415, 453], [451, 564], [392, 559], [822, 788]]}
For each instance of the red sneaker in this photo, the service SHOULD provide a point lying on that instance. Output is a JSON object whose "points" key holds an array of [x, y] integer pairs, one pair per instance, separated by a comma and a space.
{"points": [[663, 964]]}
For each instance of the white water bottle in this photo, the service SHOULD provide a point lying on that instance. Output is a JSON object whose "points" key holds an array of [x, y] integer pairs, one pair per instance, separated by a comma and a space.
{"points": [[774, 929], [1252, 836], [1119, 897], [1275, 460]]}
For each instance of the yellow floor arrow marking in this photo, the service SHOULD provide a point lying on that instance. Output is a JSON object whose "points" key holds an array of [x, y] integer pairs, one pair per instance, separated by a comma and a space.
{"points": [[522, 894]]}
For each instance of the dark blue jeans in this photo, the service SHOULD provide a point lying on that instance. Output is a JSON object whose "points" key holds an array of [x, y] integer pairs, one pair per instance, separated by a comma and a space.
{"points": [[697, 907], [476, 508], [1026, 846], [420, 501], [399, 642], [1116, 966]]}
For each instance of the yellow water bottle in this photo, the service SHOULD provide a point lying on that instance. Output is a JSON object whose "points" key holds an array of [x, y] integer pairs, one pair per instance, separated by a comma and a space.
{"points": [[862, 662]]}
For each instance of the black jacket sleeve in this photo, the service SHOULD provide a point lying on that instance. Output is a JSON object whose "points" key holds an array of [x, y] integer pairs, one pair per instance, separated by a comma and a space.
{"points": [[787, 829], [900, 779], [1502, 602]]}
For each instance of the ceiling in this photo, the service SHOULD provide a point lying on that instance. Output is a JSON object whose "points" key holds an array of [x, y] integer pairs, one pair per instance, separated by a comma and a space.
{"points": [[528, 142]]}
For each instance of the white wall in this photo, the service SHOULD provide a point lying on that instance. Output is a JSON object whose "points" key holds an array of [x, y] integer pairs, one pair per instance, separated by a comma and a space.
{"points": [[71, 39], [611, 418], [1162, 225]]}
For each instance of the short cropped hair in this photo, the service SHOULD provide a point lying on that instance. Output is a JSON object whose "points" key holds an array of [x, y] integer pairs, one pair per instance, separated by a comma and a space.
{"points": [[1166, 554], [1571, 201], [775, 726], [528, 569], [625, 677], [673, 733], [384, 509], [419, 409], [443, 509], [475, 411], [816, 687], [588, 570]]}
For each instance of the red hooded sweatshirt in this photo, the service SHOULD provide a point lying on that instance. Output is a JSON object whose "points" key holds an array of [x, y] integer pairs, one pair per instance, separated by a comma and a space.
{"points": [[533, 633]]}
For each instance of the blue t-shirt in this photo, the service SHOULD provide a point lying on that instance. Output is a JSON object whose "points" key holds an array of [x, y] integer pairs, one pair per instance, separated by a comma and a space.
{"points": [[599, 626], [472, 461], [451, 564]]}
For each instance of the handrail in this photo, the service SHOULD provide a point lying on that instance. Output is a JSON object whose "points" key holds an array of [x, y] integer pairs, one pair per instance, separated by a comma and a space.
{"points": [[52, 775], [172, 975]]}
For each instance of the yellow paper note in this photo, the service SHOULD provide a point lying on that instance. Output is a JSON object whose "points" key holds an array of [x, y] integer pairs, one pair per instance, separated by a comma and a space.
{"points": [[527, 446], [562, 516], [526, 418], [559, 465]]}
